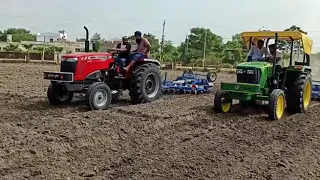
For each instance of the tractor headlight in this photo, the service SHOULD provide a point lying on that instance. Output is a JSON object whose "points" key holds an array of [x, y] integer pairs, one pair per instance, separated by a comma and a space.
{"points": [[250, 71], [239, 71]]}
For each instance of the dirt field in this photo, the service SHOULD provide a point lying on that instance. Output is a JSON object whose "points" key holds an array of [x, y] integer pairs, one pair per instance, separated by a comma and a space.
{"points": [[179, 137]]}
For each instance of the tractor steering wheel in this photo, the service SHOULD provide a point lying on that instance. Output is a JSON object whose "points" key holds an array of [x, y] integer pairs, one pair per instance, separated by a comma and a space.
{"points": [[112, 51]]}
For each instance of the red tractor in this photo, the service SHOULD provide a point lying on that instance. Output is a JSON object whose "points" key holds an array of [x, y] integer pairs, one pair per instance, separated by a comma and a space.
{"points": [[97, 75]]}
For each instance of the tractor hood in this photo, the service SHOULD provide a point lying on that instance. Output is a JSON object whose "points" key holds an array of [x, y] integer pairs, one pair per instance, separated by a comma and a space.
{"points": [[255, 64], [82, 54]]}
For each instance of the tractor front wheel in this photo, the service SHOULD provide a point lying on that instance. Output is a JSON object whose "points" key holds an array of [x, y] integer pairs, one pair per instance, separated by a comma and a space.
{"points": [[276, 106], [222, 102], [146, 84], [58, 94], [98, 96]]}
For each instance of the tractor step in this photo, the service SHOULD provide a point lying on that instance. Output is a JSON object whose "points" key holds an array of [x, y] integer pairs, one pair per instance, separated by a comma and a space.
{"points": [[119, 77]]}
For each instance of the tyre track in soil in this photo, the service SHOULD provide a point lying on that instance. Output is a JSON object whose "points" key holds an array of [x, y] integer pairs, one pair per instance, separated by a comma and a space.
{"points": [[176, 139], [188, 131]]}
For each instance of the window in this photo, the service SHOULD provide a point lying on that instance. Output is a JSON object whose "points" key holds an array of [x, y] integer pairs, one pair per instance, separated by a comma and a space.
{"points": [[51, 40]]}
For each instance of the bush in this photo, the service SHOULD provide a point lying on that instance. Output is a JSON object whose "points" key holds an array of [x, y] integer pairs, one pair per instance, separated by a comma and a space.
{"points": [[226, 65]]}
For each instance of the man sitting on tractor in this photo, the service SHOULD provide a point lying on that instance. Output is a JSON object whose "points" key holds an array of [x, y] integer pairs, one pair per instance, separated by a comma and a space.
{"points": [[275, 52], [124, 49], [142, 51], [256, 52]]}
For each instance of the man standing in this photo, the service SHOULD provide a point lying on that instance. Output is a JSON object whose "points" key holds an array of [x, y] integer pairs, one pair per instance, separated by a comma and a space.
{"points": [[124, 49], [142, 51], [256, 52]]}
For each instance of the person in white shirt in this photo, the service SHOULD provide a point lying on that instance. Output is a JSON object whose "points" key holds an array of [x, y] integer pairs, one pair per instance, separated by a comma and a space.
{"points": [[257, 52], [277, 53]]}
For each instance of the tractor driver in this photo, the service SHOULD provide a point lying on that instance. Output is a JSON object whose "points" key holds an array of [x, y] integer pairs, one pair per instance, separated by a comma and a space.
{"points": [[142, 51], [124, 49], [256, 52], [275, 53]]}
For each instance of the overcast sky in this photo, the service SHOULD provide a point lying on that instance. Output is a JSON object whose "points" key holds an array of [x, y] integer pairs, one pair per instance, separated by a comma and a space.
{"points": [[122, 17]]}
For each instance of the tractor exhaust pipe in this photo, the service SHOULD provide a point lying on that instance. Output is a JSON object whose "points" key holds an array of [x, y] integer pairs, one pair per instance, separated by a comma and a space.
{"points": [[86, 42]]}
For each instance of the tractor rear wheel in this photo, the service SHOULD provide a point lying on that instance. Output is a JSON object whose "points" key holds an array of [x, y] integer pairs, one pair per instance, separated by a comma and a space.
{"points": [[222, 102], [146, 84], [276, 106], [299, 93], [99, 96], [58, 94]]}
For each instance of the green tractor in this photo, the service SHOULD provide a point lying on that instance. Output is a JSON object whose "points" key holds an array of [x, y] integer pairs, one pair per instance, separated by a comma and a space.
{"points": [[285, 88]]}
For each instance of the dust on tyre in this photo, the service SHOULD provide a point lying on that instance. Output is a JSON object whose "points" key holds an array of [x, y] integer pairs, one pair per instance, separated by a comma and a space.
{"points": [[59, 95], [299, 93], [116, 96], [276, 106], [99, 96], [222, 102], [146, 84]]}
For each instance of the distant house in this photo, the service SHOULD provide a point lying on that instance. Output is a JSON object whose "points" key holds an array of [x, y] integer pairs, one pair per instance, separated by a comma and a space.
{"points": [[51, 36]]}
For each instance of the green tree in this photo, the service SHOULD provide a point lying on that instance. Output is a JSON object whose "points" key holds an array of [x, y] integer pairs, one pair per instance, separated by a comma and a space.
{"points": [[96, 39], [19, 34], [193, 48], [2, 36], [285, 45], [12, 48], [234, 50], [28, 47], [58, 50], [170, 53]]}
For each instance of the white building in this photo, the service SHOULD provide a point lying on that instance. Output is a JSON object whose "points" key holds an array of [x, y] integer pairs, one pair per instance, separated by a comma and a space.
{"points": [[51, 37]]}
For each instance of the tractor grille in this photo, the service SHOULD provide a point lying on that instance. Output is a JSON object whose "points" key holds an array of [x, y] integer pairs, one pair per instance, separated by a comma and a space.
{"points": [[68, 66], [251, 76]]}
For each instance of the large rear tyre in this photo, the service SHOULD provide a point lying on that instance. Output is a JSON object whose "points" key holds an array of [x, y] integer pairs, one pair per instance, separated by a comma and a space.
{"points": [[146, 84], [299, 93], [276, 106], [59, 95], [222, 102], [99, 96]]}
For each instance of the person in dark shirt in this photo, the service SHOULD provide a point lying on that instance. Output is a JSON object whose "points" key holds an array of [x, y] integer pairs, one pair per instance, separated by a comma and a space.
{"points": [[123, 49]]}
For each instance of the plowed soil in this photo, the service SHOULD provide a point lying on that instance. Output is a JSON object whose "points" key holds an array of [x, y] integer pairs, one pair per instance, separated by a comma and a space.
{"points": [[177, 137]]}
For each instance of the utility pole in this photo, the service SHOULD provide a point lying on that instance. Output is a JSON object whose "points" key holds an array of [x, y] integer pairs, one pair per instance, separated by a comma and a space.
{"points": [[162, 40], [44, 47], [186, 49], [204, 48]]}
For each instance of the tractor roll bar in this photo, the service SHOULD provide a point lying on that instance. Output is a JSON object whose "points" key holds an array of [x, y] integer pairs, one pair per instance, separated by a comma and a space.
{"points": [[86, 43], [275, 56]]}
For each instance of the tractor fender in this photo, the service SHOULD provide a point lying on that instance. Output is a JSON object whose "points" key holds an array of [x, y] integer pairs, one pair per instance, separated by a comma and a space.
{"points": [[156, 62], [94, 75]]}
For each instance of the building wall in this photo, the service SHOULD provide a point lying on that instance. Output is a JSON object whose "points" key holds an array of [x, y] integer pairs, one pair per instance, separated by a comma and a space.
{"points": [[67, 46], [51, 37]]}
